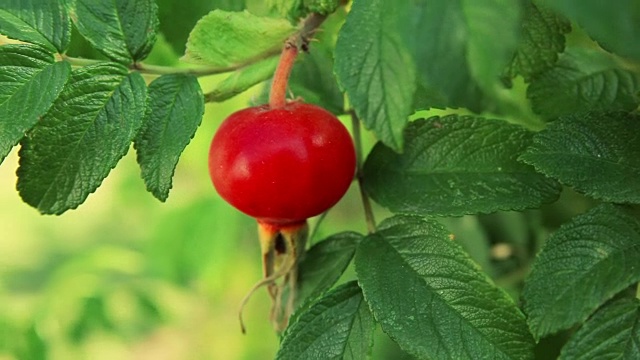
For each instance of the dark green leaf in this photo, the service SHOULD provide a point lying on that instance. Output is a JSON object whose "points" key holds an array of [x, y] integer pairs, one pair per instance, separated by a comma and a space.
{"points": [[542, 39], [462, 48], [87, 130], [583, 80], [375, 67], [613, 332], [42, 22], [324, 263], [228, 39], [583, 264], [432, 299], [122, 30], [31, 82], [596, 153], [313, 80], [455, 166], [338, 326], [176, 106], [616, 26], [242, 79]]}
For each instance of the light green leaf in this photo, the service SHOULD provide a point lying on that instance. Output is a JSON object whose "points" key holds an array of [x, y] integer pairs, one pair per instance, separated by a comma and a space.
{"points": [[177, 18], [455, 166], [613, 332], [324, 263], [616, 26], [312, 79], [176, 106], [596, 153], [87, 130], [31, 82], [432, 299], [242, 79], [122, 30], [590, 259], [375, 68], [338, 326], [541, 41], [461, 49], [584, 80], [42, 22], [228, 39]]}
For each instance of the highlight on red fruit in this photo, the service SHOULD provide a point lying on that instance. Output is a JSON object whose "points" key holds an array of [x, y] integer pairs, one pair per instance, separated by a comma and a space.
{"points": [[282, 165]]}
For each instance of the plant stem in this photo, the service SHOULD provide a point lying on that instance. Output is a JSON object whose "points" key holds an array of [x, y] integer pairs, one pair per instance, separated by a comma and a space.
{"points": [[293, 45], [164, 70], [366, 203], [278, 94]]}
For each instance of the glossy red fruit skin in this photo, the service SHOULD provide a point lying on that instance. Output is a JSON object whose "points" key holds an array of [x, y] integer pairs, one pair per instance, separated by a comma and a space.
{"points": [[282, 165]]}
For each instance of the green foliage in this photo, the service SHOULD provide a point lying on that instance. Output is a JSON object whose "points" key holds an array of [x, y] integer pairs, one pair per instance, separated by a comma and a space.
{"points": [[542, 39], [462, 49], [88, 129], [432, 299], [616, 28], [24, 72], [612, 332], [122, 30], [238, 45], [324, 263], [589, 260], [242, 79], [455, 166], [583, 80], [41, 22], [596, 153], [458, 287], [176, 106], [370, 47], [338, 326]]}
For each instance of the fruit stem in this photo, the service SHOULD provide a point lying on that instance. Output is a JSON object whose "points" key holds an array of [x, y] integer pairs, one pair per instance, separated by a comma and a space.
{"points": [[278, 94], [366, 203], [293, 45]]}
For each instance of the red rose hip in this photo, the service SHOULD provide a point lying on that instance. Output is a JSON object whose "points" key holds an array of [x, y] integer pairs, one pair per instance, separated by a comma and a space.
{"points": [[282, 165]]}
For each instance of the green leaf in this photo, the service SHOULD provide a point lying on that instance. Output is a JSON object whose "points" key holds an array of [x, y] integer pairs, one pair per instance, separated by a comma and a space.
{"points": [[122, 30], [462, 48], [589, 260], [313, 80], [177, 18], [542, 39], [584, 80], [289, 9], [596, 153], [613, 332], [375, 68], [432, 299], [455, 166], [87, 130], [324, 263], [242, 79], [31, 82], [616, 26], [42, 22], [338, 326], [176, 106], [228, 39]]}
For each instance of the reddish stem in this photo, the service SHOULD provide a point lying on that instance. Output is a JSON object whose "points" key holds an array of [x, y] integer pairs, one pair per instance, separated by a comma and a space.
{"points": [[278, 95]]}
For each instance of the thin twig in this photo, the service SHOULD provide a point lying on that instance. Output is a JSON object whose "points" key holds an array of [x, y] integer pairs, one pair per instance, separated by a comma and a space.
{"points": [[366, 203]]}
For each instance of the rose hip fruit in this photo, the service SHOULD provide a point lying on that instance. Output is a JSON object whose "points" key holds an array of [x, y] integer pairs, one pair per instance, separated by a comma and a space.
{"points": [[284, 165]]}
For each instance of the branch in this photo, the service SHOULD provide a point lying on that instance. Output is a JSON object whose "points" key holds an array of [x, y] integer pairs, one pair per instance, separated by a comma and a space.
{"points": [[366, 203]]}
